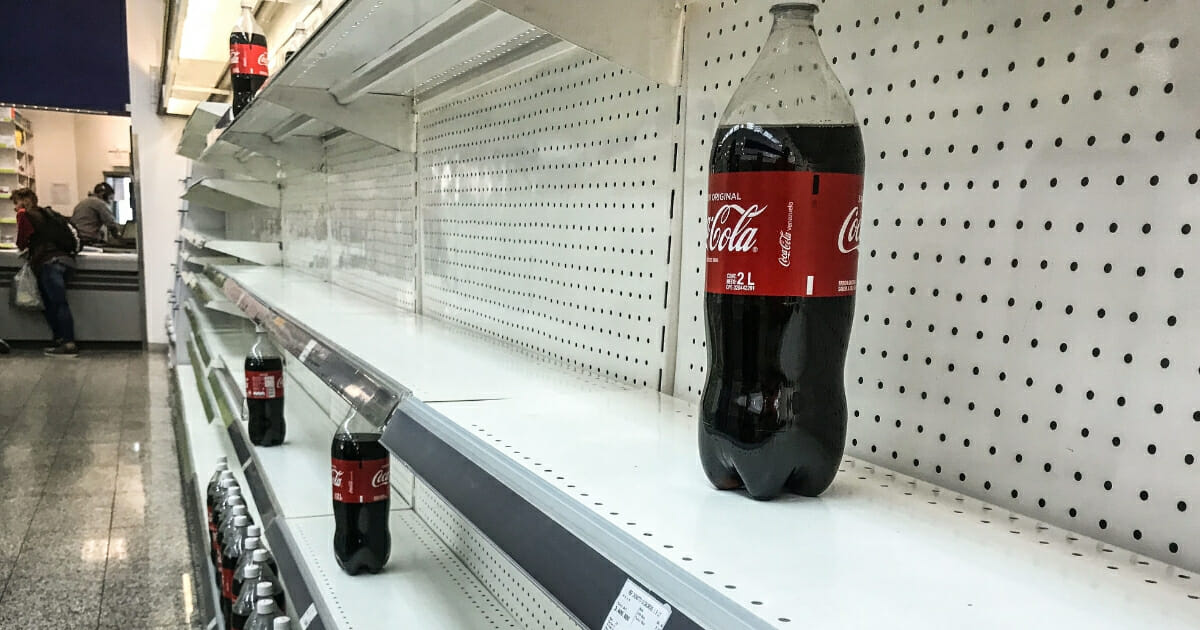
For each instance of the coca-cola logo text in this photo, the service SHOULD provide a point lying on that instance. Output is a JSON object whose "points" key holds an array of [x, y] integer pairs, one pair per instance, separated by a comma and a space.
{"points": [[739, 237], [262, 59], [380, 479], [785, 245], [337, 478], [848, 236]]}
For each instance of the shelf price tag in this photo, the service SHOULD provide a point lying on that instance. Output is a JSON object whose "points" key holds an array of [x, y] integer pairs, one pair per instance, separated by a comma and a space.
{"points": [[636, 609], [308, 617]]}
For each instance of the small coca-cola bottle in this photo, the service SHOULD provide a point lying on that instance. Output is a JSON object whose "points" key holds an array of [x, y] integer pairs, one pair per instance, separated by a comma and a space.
{"points": [[264, 392], [785, 191], [216, 494], [230, 496], [361, 497], [231, 552], [247, 57], [244, 606], [210, 491]]}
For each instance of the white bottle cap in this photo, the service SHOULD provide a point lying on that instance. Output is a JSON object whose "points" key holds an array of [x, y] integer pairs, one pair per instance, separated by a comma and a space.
{"points": [[238, 510], [222, 460], [234, 490], [251, 541], [241, 520], [236, 502], [266, 605], [281, 623], [254, 530], [228, 484], [264, 589], [253, 571], [260, 556]]}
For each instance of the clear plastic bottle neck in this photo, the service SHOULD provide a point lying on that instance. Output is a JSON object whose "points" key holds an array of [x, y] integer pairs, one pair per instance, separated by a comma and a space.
{"points": [[355, 424], [791, 82], [793, 26], [262, 347]]}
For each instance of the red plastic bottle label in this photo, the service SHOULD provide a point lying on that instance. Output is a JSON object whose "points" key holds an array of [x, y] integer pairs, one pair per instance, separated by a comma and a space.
{"points": [[227, 583], [264, 385], [783, 233], [248, 59], [360, 481]]}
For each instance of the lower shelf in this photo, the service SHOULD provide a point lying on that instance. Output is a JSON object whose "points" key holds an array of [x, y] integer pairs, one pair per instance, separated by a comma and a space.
{"points": [[424, 584]]}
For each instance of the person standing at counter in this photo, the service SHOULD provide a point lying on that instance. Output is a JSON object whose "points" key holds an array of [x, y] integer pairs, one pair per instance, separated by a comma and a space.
{"points": [[51, 264], [94, 213]]}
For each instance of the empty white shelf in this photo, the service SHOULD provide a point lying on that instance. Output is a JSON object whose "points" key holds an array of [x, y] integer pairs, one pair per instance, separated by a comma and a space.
{"points": [[423, 584], [617, 466], [259, 252]]}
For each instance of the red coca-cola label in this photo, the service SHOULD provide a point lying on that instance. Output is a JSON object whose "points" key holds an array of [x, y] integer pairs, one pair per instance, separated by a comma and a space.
{"points": [[266, 385], [364, 481], [783, 233], [227, 583], [248, 59]]}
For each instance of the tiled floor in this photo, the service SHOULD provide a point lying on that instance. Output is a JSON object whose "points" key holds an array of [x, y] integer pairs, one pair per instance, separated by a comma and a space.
{"points": [[92, 531]]}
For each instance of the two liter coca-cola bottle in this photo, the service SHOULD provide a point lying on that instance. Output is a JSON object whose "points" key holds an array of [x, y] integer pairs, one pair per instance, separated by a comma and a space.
{"points": [[785, 196]]}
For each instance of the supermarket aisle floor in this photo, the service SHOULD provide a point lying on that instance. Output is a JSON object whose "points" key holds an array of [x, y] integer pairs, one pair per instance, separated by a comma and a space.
{"points": [[92, 531]]}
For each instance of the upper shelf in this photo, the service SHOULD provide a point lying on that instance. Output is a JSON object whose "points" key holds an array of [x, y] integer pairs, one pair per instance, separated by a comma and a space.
{"points": [[365, 66], [604, 478], [232, 194], [260, 252]]}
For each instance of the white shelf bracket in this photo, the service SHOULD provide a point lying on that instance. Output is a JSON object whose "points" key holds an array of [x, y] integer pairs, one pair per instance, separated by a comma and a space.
{"points": [[232, 195], [301, 152], [385, 119], [194, 139], [651, 44]]}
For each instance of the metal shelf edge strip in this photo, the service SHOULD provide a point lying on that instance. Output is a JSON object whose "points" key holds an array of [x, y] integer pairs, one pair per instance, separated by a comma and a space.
{"points": [[550, 537], [371, 396]]}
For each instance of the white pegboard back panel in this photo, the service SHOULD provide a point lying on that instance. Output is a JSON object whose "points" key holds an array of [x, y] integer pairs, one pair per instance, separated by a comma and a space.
{"points": [[1026, 274], [525, 600], [372, 201], [253, 225], [304, 216], [547, 201], [354, 224]]}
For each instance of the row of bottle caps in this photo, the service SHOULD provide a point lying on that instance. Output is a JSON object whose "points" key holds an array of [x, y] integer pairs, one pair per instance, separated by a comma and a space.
{"points": [[239, 555]]}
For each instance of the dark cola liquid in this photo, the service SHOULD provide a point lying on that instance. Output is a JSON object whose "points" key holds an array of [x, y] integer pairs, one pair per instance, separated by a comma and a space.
{"points": [[245, 86], [773, 410], [264, 418], [361, 541]]}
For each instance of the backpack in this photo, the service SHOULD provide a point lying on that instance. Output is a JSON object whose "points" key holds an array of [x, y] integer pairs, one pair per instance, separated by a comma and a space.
{"points": [[57, 230]]}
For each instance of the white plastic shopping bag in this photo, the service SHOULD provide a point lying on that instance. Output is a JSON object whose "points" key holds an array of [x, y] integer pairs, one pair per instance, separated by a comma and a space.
{"points": [[25, 290]]}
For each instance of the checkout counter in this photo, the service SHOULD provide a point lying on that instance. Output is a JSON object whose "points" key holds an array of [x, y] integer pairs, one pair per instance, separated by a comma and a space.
{"points": [[104, 293]]}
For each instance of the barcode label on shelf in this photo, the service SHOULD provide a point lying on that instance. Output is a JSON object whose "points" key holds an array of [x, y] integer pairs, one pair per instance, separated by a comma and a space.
{"points": [[635, 609], [310, 614]]}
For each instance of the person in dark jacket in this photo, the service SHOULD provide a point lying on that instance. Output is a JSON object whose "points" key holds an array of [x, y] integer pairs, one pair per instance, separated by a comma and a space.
{"points": [[94, 213], [51, 265]]}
